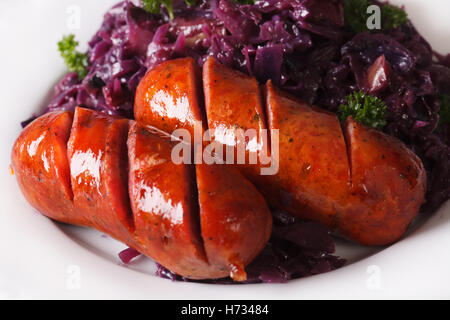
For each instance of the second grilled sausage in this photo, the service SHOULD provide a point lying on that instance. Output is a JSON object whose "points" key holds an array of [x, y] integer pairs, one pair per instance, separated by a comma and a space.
{"points": [[321, 171]]}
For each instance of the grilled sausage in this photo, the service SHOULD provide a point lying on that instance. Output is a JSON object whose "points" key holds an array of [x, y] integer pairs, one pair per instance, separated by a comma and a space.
{"points": [[323, 174], [111, 174]]}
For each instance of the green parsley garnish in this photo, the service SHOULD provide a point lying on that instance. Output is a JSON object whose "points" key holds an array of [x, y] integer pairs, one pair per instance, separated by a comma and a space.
{"points": [[392, 17], [364, 108], [154, 6], [355, 13], [75, 61], [356, 16]]}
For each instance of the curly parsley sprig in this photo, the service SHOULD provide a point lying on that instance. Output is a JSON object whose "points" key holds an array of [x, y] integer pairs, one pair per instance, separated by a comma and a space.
{"points": [[355, 13], [154, 6], [392, 17], [75, 61], [364, 108]]}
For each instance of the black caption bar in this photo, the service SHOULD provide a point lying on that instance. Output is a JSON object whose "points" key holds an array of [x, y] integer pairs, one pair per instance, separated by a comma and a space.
{"points": [[198, 310]]}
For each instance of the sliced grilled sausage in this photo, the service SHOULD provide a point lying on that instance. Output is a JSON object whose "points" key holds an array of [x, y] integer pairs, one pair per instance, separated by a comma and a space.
{"points": [[165, 216], [315, 179]]}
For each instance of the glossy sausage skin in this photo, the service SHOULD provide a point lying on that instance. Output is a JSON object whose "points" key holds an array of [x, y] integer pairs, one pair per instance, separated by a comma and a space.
{"points": [[169, 96], [206, 221], [225, 89], [234, 219], [97, 156], [40, 164], [372, 183], [113, 175], [388, 182], [324, 174], [314, 176], [164, 202]]}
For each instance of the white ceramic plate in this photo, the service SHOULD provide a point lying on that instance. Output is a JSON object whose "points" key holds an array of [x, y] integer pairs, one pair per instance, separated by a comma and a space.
{"points": [[43, 259]]}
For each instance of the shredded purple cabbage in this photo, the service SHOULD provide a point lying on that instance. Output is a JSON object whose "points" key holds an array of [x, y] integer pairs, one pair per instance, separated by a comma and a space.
{"points": [[128, 254], [304, 46]]}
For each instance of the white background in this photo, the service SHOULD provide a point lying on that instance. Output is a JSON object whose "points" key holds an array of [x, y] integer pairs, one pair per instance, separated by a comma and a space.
{"points": [[41, 259]]}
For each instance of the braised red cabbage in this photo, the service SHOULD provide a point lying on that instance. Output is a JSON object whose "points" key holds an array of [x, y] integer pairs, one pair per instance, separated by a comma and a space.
{"points": [[128, 254]]}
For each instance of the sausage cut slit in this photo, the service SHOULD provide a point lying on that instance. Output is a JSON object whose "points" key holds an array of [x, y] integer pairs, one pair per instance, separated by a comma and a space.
{"points": [[348, 146], [265, 119], [196, 221], [62, 134], [116, 168]]}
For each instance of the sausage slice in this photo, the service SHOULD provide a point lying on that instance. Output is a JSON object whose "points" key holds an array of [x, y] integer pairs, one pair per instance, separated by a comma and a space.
{"points": [[235, 220], [170, 96], [234, 105], [314, 176], [97, 155], [388, 182], [39, 160], [165, 207]]}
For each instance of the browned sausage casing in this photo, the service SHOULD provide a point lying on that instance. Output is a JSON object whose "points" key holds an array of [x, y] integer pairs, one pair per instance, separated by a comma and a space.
{"points": [[201, 222], [39, 160], [342, 181]]}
